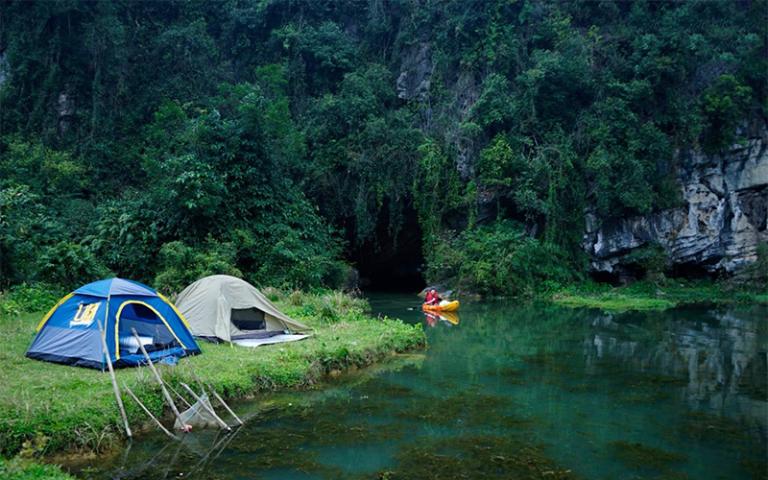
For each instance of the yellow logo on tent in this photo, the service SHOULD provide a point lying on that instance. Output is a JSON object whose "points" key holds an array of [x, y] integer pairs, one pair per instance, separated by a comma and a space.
{"points": [[85, 314]]}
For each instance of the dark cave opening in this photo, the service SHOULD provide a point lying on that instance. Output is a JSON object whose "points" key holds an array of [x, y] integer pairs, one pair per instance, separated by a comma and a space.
{"points": [[693, 271], [391, 261]]}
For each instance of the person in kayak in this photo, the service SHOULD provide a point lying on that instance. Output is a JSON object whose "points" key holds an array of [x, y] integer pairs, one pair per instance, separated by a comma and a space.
{"points": [[432, 298]]}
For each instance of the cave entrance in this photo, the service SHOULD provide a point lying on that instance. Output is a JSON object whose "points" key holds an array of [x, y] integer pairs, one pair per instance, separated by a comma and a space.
{"points": [[391, 263]]}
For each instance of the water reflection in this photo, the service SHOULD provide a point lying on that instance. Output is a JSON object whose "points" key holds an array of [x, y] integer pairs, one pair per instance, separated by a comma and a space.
{"points": [[720, 354], [433, 319]]}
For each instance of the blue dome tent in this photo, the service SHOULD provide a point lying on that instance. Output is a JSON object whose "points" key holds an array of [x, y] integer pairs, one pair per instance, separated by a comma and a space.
{"points": [[69, 333]]}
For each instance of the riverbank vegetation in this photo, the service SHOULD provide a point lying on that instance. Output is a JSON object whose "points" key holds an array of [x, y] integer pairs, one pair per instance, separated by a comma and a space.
{"points": [[659, 295], [46, 407], [24, 469]]}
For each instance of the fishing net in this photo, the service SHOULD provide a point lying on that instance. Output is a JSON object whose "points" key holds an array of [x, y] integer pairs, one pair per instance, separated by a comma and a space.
{"points": [[197, 415]]}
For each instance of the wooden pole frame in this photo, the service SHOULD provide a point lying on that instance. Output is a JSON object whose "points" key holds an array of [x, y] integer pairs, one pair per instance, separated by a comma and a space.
{"points": [[146, 410], [221, 400], [159, 380], [179, 395], [115, 388], [206, 407], [224, 404]]}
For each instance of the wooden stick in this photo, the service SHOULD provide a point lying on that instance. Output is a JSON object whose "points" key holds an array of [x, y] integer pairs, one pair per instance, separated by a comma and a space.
{"points": [[224, 404], [178, 395], [221, 400], [159, 380], [206, 407], [115, 388], [149, 413]]}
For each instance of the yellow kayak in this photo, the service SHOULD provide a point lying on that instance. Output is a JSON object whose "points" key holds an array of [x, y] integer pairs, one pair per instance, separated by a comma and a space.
{"points": [[448, 307]]}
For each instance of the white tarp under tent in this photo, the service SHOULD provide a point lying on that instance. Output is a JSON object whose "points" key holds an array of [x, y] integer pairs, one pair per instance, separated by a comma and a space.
{"points": [[221, 307]]}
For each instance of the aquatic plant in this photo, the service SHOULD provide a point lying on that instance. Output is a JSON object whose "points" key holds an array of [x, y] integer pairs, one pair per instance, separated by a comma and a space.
{"points": [[475, 456], [637, 455]]}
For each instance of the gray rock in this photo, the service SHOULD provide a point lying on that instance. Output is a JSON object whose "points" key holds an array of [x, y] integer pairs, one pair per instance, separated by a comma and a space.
{"points": [[415, 76], [718, 228], [65, 109], [3, 68]]}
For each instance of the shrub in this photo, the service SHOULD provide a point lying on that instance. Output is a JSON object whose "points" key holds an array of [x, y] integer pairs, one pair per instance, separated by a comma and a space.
{"points": [[29, 298], [181, 264], [69, 264], [23, 469], [652, 259], [498, 259], [296, 259]]}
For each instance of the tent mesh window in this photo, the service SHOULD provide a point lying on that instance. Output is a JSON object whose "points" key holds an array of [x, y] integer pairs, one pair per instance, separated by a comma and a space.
{"points": [[153, 333], [248, 319]]}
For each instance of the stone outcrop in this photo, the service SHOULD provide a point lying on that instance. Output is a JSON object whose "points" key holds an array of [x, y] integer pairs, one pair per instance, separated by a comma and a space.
{"points": [[717, 229], [3, 68], [65, 110], [415, 76]]}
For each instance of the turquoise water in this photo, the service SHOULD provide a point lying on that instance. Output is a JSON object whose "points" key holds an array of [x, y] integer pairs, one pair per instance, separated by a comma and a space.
{"points": [[509, 391]]}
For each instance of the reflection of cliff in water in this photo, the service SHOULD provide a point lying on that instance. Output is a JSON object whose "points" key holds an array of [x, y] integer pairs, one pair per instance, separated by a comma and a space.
{"points": [[722, 354]]}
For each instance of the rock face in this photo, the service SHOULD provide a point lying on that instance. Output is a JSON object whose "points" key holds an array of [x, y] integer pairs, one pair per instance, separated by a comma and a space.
{"points": [[3, 69], [718, 229], [415, 73], [65, 109]]}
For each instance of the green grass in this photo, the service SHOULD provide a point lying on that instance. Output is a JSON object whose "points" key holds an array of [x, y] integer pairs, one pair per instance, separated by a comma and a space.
{"points": [[45, 408], [614, 302], [655, 296], [25, 469]]}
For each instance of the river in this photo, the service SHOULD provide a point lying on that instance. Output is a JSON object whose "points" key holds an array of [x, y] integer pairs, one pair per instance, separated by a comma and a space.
{"points": [[508, 390]]}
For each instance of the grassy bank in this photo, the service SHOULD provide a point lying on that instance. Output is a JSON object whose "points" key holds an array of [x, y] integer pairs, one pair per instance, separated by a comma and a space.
{"points": [[46, 407], [26, 469], [656, 295]]}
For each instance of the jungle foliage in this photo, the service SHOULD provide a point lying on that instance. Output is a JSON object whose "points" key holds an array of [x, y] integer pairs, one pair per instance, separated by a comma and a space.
{"points": [[165, 140]]}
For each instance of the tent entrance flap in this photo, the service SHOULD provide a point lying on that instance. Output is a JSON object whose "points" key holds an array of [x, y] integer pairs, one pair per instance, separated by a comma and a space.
{"points": [[248, 319], [152, 329]]}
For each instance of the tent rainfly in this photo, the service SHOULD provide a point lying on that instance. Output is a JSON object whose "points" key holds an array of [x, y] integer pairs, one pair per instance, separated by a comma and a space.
{"points": [[70, 332], [230, 309]]}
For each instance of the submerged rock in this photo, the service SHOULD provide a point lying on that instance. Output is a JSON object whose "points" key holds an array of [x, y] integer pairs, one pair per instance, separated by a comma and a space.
{"points": [[717, 229]]}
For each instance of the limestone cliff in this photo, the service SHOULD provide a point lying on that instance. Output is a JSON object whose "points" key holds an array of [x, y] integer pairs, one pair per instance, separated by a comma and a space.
{"points": [[716, 230]]}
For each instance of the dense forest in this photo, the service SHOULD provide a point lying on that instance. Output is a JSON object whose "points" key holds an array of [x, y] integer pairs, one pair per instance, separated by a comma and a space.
{"points": [[286, 140]]}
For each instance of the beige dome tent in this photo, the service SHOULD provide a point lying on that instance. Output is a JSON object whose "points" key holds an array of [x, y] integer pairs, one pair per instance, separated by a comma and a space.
{"points": [[233, 310]]}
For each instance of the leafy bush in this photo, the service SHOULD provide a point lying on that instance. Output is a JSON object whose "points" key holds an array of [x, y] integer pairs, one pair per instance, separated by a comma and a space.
{"points": [[724, 104], [499, 259], [35, 297], [69, 264], [24, 469], [652, 259], [295, 260], [181, 264]]}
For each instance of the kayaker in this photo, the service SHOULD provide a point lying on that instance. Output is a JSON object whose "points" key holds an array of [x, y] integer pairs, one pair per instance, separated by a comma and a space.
{"points": [[432, 298]]}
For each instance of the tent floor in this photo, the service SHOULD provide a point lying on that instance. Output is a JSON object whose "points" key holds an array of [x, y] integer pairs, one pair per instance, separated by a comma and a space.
{"points": [[256, 342]]}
